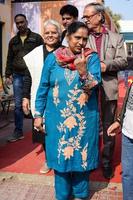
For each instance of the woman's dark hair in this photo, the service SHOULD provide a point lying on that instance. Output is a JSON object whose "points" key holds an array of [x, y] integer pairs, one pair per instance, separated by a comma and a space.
{"points": [[70, 10], [73, 27], [19, 15]]}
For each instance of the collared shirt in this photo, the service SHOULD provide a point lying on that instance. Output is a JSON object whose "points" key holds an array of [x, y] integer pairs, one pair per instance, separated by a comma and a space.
{"points": [[98, 39]]}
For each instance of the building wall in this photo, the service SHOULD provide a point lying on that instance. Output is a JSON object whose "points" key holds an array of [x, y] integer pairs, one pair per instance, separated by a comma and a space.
{"points": [[5, 19], [38, 12]]}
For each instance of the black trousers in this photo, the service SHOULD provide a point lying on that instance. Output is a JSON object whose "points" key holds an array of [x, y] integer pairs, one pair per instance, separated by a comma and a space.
{"points": [[108, 109], [38, 137]]}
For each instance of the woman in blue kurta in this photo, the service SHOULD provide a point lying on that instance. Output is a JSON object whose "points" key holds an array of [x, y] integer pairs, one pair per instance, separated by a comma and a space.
{"points": [[67, 94]]}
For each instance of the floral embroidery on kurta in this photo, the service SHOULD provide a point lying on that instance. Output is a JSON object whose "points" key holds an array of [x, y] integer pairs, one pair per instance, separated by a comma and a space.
{"points": [[84, 156], [68, 152], [72, 120], [69, 75], [83, 98], [70, 123], [56, 93]]}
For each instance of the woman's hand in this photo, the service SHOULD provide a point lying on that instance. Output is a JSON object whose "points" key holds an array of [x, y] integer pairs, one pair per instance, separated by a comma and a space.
{"points": [[113, 129], [80, 64], [9, 80], [103, 67], [38, 124], [26, 106]]}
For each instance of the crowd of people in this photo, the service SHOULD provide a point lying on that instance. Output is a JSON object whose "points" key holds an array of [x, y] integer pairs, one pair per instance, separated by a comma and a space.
{"points": [[69, 82]]}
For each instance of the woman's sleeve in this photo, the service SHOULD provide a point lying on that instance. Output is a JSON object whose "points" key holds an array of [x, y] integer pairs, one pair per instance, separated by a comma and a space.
{"points": [[94, 67], [41, 96], [93, 76]]}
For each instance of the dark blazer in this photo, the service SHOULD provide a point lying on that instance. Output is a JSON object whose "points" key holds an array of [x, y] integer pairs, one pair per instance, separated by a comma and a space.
{"points": [[17, 50]]}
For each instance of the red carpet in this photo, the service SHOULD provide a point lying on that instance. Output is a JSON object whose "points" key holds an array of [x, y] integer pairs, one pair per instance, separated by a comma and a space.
{"points": [[21, 156], [24, 157]]}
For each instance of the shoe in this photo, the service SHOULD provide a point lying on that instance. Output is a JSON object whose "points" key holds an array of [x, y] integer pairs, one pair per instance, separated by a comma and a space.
{"points": [[44, 169], [16, 136], [108, 172]]}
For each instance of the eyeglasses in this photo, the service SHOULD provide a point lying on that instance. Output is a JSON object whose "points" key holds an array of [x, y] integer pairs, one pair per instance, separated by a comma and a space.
{"points": [[87, 18]]}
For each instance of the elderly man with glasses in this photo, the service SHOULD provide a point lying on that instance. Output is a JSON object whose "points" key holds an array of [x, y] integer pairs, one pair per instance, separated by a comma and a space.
{"points": [[110, 48]]}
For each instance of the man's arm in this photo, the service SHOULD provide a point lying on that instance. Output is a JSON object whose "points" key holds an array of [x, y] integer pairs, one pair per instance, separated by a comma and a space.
{"points": [[10, 57], [26, 92], [112, 130], [27, 84], [119, 62]]}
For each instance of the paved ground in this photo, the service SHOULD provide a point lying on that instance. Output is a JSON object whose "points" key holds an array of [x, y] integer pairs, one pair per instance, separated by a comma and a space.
{"points": [[37, 187]]}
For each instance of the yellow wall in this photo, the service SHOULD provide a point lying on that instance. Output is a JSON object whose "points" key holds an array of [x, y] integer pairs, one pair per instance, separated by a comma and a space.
{"points": [[5, 18]]}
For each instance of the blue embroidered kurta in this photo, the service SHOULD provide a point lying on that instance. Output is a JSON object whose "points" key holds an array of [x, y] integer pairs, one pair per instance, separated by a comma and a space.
{"points": [[71, 116]]}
